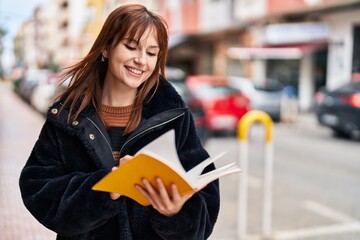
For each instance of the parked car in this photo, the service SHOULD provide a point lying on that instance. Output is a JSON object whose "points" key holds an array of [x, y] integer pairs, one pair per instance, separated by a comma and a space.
{"points": [[61, 87], [223, 105], [177, 77], [31, 79], [266, 97], [43, 93], [339, 109]]}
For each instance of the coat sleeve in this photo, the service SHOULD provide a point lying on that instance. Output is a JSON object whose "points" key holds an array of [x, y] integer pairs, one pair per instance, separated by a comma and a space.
{"points": [[62, 200], [197, 218]]}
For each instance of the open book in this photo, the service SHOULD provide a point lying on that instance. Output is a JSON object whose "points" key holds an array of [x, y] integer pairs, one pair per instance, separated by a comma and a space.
{"points": [[160, 159]]}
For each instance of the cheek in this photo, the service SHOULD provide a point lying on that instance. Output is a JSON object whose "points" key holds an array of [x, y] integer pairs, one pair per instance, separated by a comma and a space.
{"points": [[152, 63]]}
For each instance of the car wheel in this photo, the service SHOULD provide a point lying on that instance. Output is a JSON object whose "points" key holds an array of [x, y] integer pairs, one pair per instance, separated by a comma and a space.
{"points": [[355, 134], [339, 133]]}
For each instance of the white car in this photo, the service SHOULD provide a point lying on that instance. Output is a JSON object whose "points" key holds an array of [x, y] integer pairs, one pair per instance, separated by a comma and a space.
{"points": [[44, 92], [32, 78], [266, 98]]}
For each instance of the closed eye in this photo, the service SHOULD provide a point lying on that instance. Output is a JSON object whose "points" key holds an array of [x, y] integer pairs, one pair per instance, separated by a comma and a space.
{"points": [[129, 47], [151, 54]]}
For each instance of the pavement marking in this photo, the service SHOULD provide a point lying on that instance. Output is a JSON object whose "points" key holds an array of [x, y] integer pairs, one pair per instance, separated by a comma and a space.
{"points": [[330, 230], [328, 212], [346, 224]]}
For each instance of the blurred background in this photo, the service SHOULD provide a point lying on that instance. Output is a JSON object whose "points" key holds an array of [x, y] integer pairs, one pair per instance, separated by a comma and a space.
{"points": [[296, 60]]}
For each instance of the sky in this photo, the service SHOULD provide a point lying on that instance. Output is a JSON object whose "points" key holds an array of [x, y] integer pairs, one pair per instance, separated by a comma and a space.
{"points": [[12, 14]]}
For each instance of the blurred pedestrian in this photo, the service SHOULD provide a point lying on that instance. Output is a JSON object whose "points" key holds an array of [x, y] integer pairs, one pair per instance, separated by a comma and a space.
{"points": [[289, 105], [117, 102]]}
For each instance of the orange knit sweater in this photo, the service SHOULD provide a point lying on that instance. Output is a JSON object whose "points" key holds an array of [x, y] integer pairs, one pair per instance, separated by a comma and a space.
{"points": [[116, 119]]}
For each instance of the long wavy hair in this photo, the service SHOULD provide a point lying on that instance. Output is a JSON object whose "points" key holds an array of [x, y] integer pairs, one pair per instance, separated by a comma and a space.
{"points": [[88, 75]]}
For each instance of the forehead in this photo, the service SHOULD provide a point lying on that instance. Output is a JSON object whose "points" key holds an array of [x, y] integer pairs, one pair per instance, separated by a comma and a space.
{"points": [[148, 36]]}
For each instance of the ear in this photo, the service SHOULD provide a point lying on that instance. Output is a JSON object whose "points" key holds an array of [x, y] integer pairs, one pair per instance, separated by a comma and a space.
{"points": [[105, 53]]}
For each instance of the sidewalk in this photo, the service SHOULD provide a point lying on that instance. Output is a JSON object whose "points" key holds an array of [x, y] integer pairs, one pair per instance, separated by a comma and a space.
{"points": [[19, 128], [304, 121], [307, 121]]}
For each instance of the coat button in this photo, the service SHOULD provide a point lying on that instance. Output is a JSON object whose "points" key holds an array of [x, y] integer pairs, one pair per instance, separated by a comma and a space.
{"points": [[54, 111], [75, 123], [91, 136]]}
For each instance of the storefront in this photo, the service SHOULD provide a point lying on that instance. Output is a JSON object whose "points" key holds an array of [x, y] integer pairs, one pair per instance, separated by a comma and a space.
{"points": [[294, 54], [309, 50], [344, 46]]}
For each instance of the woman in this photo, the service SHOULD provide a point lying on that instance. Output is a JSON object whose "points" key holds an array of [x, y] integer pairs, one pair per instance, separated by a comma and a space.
{"points": [[118, 102]]}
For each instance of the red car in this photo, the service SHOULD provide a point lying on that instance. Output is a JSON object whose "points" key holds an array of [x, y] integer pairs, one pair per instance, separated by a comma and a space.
{"points": [[223, 105]]}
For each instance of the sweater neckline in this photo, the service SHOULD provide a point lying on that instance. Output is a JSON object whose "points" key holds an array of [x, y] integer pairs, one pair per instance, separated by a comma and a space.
{"points": [[117, 110]]}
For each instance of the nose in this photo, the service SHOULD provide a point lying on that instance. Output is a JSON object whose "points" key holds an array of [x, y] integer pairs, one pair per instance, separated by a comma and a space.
{"points": [[141, 60]]}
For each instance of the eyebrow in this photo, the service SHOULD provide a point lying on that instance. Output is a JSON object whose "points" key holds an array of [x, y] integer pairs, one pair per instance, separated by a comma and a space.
{"points": [[130, 40]]}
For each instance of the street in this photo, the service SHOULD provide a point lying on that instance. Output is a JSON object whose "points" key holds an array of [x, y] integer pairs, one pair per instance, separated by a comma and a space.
{"points": [[315, 189]]}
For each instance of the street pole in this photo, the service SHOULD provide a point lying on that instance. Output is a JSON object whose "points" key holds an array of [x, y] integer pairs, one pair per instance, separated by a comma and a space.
{"points": [[245, 122]]}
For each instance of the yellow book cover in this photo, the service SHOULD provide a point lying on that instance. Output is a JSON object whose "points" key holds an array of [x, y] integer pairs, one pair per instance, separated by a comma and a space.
{"points": [[159, 159]]}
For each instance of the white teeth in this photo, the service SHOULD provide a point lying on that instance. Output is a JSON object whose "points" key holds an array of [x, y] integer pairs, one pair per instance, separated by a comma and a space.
{"points": [[135, 71]]}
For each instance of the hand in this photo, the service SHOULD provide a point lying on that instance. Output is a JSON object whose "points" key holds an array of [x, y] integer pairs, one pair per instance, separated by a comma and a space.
{"points": [[123, 160], [165, 203]]}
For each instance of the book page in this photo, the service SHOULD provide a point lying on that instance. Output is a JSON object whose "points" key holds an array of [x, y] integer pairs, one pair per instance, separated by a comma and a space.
{"points": [[160, 159], [164, 149], [123, 179], [197, 170], [217, 173]]}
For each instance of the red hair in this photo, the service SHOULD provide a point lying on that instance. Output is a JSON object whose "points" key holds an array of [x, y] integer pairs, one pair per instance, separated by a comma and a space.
{"points": [[87, 76]]}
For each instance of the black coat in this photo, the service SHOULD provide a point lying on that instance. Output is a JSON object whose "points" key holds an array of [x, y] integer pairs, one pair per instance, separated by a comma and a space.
{"points": [[70, 157]]}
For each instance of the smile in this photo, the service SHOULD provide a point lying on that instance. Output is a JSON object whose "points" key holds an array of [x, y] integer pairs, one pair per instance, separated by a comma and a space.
{"points": [[135, 71]]}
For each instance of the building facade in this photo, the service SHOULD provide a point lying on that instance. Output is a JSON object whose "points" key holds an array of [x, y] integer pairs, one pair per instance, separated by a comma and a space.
{"points": [[308, 44]]}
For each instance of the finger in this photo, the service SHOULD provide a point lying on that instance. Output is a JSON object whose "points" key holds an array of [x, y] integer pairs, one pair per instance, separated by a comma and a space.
{"points": [[114, 196], [125, 159], [166, 205], [177, 197], [163, 192], [152, 192], [175, 193], [187, 196], [145, 193]]}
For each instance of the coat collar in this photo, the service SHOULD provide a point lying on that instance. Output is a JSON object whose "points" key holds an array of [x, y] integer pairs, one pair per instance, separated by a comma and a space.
{"points": [[163, 107]]}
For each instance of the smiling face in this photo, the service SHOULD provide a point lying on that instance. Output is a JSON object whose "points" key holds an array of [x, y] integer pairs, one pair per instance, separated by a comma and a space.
{"points": [[131, 62]]}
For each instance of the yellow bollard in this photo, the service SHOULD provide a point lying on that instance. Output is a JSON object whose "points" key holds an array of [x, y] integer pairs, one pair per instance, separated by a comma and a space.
{"points": [[245, 122]]}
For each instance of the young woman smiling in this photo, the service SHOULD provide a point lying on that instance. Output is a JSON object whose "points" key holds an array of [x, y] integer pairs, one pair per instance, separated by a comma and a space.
{"points": [[117, 102]]}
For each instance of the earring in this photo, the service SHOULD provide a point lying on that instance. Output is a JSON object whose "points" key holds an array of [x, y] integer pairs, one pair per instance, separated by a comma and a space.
{"points": [[102, 58]]}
